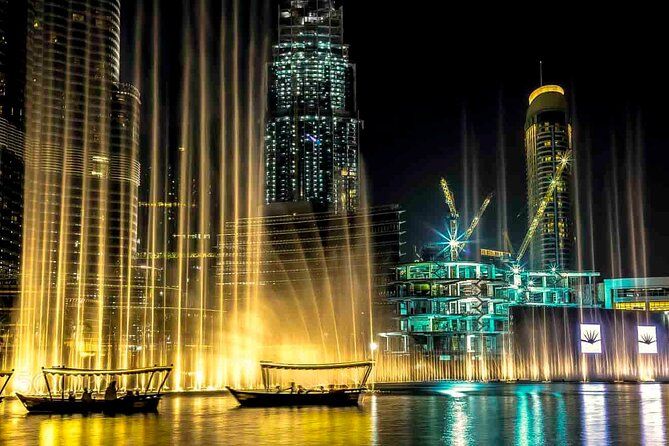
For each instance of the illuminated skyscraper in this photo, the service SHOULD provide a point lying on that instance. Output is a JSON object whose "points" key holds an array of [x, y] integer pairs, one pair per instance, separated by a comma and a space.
{"points": [[312, 141], [548, 136], [12, 60], [82, 175], [12, 80]]}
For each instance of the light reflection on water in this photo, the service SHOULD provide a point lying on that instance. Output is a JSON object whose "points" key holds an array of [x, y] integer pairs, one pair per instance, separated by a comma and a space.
{"points": [[453, 413]]}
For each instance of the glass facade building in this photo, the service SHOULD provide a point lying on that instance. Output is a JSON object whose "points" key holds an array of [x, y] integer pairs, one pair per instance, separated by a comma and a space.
{"points": [[548, 136], [313, 130], [12, 81], [82, 177], [648, 294], [12, 61]]}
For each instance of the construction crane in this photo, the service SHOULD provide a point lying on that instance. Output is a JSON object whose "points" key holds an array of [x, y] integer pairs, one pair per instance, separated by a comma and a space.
{"points": [[456, 244], [452, 218], [564, 162], [477, 217]]}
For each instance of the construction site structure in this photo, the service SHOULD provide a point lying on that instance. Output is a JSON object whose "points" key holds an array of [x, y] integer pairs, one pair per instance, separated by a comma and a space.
{"points": [[461, 308]]}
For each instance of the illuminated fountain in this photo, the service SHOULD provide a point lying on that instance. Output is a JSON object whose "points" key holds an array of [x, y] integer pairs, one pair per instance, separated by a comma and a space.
{"points": [[161, 302], [193, 291]]}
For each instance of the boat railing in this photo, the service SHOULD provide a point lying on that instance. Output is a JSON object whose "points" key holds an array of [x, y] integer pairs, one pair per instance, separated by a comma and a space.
{"points": [[267, 366], [64, 372]]}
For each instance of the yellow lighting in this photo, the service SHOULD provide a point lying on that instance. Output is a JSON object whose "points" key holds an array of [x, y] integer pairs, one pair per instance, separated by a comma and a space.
{"points": [[546, 89]]}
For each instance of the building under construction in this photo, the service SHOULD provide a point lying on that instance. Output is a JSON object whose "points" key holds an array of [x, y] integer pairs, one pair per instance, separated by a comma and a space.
{"points": [[462, 308], [456, 308]]}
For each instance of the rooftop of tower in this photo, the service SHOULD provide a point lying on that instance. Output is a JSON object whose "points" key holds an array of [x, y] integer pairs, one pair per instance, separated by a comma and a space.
{"points": [[547, 98], [545, 89], [299, 19]]}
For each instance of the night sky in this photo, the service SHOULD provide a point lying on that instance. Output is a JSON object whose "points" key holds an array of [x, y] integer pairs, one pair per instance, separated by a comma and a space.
{"points": [[431, 74]]}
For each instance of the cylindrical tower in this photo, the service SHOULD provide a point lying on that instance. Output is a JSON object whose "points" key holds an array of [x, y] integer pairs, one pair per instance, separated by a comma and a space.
{"points": [[81, 181], [548, 136]]}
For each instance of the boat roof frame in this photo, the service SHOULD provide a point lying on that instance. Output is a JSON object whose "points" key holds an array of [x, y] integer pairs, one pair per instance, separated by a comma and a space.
{"points": [[266, 366], [324, 366], [69, 371]]}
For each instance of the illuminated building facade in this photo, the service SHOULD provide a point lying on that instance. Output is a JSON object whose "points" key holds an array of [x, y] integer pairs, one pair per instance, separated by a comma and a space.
{"points": [[462, 308], [548, 136], [637, 294], [82, 175], [12, 61], [11, 222], [302, 250], [11, 199], [313, 130], [12, 80]]}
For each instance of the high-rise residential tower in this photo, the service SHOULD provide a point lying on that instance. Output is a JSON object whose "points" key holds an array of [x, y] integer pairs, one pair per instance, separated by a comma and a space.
{"points": [[548, 136], [82, 175], [313, 130]]}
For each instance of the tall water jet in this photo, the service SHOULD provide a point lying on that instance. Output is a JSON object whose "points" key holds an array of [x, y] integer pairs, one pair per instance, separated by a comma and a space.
{"points": [[82, 177]]}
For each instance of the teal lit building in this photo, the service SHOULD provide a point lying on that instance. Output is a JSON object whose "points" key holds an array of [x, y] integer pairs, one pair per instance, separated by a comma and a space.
{"points": [[636, 294], [462, 308], [313, 129]]}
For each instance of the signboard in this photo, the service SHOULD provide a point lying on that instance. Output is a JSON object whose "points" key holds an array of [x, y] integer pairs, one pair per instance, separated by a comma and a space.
{"points": [[591, 339], [647, 340]]}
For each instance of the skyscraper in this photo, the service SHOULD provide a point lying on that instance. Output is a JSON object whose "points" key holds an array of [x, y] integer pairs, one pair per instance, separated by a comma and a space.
{"points": [[12, 80], [548, 136], [317, 236], [82, 175], [12, 60], [312, 141]]}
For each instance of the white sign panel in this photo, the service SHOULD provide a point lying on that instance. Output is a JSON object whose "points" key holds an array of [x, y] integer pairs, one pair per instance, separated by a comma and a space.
{"points": [[591, 338], [647, 340]]}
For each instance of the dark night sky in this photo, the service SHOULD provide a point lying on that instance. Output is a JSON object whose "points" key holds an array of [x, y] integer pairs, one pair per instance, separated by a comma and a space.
{"points": [[423, 67]]}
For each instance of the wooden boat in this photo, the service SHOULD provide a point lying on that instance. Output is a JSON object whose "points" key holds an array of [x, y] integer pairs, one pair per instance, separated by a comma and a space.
{"points": [[144, 402], [295, 397], [123, 405], [6, 376]]}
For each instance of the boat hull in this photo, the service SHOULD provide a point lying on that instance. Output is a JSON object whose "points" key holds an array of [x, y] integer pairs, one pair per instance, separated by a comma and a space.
{"points": [[337, 398], [46, 405]]}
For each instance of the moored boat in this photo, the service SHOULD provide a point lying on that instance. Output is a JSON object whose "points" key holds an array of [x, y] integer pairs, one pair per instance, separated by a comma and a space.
{"points": [[131, 402], [297, 396], [4, 379], [123, 405], [334, 398]]}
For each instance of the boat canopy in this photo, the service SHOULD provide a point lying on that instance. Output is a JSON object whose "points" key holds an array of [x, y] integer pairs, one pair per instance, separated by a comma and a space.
{"points": [[327, 366], [67, 371], [267, 366]]}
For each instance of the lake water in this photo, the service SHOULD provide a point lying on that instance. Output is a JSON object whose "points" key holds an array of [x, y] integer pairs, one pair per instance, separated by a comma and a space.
{"points": [[451, 413]]}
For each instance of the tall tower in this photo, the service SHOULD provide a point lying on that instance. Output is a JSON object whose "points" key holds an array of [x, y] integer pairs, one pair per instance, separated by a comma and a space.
{"points": [[82, 175], [12, 61], [313, 130], [548, 135], [12, 81]]}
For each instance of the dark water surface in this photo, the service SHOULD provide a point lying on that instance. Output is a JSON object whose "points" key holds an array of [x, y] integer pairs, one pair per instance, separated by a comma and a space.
{"points": [[453, 413]]}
